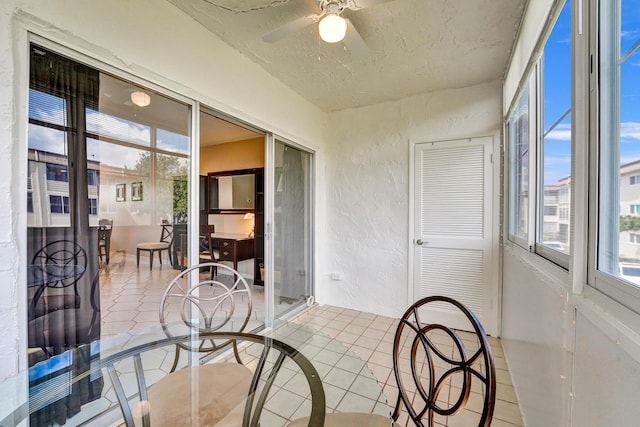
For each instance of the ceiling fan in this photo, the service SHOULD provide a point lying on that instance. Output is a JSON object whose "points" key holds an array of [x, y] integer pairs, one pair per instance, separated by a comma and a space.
{"points": [[332, 27]]}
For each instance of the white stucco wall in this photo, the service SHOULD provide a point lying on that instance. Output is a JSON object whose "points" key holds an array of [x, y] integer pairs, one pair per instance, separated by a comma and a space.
{"points": [[151, 40], [367, 197], [574, 359]]}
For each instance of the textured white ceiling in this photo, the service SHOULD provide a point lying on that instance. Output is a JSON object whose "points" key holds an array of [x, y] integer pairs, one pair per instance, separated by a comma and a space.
{"points": [[415, 46]]}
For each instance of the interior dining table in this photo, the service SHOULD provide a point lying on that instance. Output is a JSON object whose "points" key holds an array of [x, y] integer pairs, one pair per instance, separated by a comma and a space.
{"points": [[331, 377]]}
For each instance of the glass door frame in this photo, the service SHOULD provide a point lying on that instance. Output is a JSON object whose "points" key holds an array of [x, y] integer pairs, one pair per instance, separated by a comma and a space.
{"points": [[269, 238]]}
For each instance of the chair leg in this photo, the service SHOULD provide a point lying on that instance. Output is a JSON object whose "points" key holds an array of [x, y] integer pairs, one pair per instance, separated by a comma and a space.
{"points": [[175, 359], [137, 258], [160, 256], [151, 259]]}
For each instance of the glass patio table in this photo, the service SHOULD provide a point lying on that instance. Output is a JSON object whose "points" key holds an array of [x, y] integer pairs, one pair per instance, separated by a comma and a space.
{"points": [[327, 374]]}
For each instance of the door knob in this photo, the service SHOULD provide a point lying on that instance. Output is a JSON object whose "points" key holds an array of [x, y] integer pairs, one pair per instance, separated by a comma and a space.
{"points": [[419, 242]]}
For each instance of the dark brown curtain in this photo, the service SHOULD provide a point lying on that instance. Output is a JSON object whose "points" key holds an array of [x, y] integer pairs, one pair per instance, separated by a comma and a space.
{"points": [[64, 306]]}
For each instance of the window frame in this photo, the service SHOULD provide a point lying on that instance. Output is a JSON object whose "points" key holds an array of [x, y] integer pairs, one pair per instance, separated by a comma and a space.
{"points": [[534, 82], [601, 21], [528, 88]]}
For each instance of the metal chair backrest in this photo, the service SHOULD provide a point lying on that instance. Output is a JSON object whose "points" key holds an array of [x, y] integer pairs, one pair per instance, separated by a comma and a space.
{"points": [[445, 365], [191, 304], [63, 253], [271, 356], [105, 223], [166, 236]]}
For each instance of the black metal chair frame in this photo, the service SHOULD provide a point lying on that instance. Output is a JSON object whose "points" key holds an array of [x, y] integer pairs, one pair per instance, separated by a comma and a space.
{"points": [[166, 236], [264, 376], [189, 300], [462, 364], [105, 228], [66, 254]]}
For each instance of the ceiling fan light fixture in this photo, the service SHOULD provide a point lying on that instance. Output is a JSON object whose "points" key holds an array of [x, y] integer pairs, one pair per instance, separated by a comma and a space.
{"points": [[140, 99], [332, 28]]}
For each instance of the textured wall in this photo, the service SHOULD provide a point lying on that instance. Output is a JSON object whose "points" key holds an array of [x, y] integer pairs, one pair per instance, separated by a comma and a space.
{"points": [[574, 360], [367, 190], [534, 342], [607, 378]]}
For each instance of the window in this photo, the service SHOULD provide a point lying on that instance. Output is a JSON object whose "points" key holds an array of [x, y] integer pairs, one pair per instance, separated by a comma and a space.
{"points": [[57, 173], [618, 112], [93, 206], [555, 128], [93, 177], [539, 132], [519, 169], [59, 204]]}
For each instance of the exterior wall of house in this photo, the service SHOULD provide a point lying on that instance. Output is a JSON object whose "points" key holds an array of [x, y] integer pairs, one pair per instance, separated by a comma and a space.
{"points": [[151, 40], [367, 203]]}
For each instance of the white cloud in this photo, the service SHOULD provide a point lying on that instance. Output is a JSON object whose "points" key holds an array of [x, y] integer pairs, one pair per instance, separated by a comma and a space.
{"points": [[562, 132], [104, 124], [630, 130]]}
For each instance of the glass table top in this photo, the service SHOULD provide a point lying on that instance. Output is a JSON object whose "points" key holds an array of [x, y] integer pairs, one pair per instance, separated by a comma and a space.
{"points": [[348, 384]]}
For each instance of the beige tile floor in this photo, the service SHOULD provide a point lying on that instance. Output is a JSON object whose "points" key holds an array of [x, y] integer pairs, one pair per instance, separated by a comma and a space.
{"points": [[371, 337], [130, 298]]}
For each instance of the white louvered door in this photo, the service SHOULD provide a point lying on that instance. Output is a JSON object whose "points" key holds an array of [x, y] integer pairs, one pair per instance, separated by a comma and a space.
{"points": [[453, 227]]}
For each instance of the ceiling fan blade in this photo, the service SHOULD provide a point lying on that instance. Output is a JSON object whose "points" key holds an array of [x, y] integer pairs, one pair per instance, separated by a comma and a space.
{"points": [[363, 4], [290, 27], [354, 42]]}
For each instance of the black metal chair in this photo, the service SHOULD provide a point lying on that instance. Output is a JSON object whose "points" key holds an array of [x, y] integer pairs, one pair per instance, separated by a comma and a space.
{"points": [[67, 327], [105, 227], [223, 304], [221, 307], [57, 265], [164, 244], [437, 369], [222, 399], [208, 253]]}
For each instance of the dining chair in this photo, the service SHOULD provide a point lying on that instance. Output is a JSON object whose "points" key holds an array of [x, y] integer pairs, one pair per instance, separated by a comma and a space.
{"points": [[208, 253], [439, 370], [166, 240], [105, 227], [56, 266], [66, 327], [195, 305], [225, 396]]}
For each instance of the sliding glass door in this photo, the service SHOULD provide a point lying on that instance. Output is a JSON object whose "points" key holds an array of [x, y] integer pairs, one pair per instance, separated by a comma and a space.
{"points": [[292, 225], [108, 164]]}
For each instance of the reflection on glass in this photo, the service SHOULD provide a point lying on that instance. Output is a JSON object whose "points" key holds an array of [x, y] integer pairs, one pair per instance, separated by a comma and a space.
{"points": [[47, 108], [171, 141], [228, 192], [124, 130], [88, 146], [519, 168], [292, 225], [619, 207]]}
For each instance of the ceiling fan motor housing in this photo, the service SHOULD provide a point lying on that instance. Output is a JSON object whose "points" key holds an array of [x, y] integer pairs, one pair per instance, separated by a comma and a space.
{"points": [[330, 7]]}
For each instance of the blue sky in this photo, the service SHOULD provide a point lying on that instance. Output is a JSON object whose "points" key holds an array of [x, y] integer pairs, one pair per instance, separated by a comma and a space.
{"points": [[557, 92]]}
